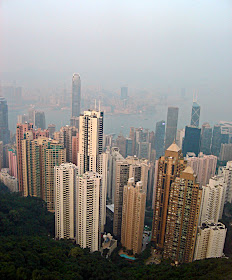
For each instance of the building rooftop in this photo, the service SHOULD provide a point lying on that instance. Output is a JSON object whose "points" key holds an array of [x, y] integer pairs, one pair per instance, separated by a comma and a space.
{"points": [[173, 148], [189, 170]]}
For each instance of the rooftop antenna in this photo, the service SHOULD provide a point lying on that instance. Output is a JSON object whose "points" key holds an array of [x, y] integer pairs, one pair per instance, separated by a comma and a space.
{"points": [[95, 105], [99, 106]]}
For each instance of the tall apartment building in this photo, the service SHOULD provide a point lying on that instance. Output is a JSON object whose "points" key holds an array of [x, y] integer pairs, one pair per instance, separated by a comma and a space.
{"points": [[20, 132], [65, 137], [88, 211], [76, 95], [204, 166], [12, 158], [210, 241], [213, 199], [90, 154], [53, 155], [125, 169], [75, 147], [171, 126], [226, 172], [121, 179], [182, 217], [168, 168], [113, 156], [90, 140], [133, 213], [65, 200], [225, 152]]}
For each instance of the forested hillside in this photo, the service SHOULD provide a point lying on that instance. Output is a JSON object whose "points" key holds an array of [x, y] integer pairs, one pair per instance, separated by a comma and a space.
{"points": [[28, 251]]}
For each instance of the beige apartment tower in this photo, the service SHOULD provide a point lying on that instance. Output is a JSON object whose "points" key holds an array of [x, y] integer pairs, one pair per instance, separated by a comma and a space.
{"points": [[182, 217], [169, 167], [133, 213]]}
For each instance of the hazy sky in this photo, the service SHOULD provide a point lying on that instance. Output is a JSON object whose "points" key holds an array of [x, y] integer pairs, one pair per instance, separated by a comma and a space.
{"points": [[177, 43]]}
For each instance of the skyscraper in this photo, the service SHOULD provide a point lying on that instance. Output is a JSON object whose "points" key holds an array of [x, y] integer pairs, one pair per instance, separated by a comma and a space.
{"points": [[192, 140], [88, 211], [65, 201], [76, 95], [4, 131], [90, 140], [219, 137], [182, 217], [133, 213], [168, 168], [39, 119], [159, 138], [195, 117], [206, 138], [171, 126]]}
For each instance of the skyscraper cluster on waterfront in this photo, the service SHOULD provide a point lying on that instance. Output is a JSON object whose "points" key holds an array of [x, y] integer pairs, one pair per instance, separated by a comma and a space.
{"points": [[89, 179]]}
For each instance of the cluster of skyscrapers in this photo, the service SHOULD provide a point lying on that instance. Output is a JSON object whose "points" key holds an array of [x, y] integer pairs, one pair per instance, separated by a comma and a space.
{"points": [[85, 177]]}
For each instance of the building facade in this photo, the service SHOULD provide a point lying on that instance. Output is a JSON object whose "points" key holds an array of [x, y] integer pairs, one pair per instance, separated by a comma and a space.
{"points": [[76, 95], [133, 213], [65, 201], [171, 126]]}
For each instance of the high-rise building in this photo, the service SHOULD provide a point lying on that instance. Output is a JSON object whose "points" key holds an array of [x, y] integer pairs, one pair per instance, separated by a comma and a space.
{"points": [[65, 201], [133, 213], [12, 158], [4, 130], [121, 179], [204, 166], [51, 130], [121, 144], [171, 126], [159, 138], [225, 152], [114, 156], [76, 95], [53, 155], [75, 147], [22, 118], [20, 132], [206, 139], [182, 217], [169, 167], [180, 137], [88, 211], [90, 140], [39, 119], [216, 140], [65, 137], [195, 117], [210, 241], [124, 93], [213, 199], [226, 172], [192, 140]]}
